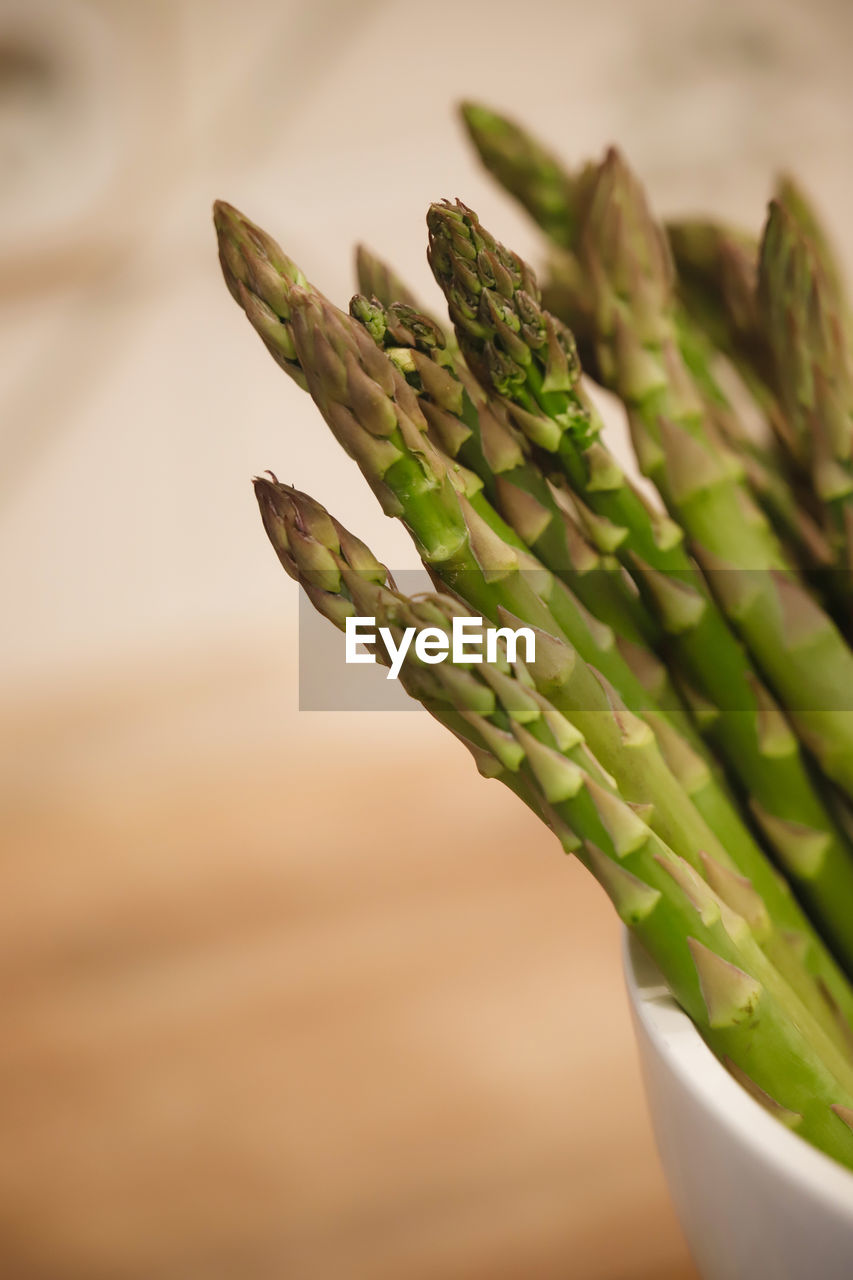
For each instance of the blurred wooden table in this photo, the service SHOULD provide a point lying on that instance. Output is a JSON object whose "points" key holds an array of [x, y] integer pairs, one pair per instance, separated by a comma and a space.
{"points": [[274, 1008]]}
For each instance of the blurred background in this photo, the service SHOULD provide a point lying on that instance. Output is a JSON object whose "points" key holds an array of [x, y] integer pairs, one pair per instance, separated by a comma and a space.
{"points": [[293, 994]]}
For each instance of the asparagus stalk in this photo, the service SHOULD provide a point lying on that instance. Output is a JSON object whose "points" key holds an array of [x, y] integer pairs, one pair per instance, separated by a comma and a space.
{"points": [[801, 652], [717, 265], [717, 276], [376, 279], [803, 317], [524, 354], [794, 200], [765, 466], [530, 172], [259, 277], [703, 944], [477, 433], [717, 268], [375, 415]]}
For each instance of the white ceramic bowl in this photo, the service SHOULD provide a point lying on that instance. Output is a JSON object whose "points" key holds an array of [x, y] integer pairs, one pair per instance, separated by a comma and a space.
{"points": [[755, 1201]]}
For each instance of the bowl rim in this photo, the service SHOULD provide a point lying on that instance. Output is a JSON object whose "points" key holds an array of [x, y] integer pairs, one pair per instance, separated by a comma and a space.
{"points": [[676, 1040]]}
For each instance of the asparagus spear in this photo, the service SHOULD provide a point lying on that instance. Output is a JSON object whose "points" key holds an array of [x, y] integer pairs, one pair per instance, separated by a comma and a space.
{"points": [[717, 274], [718, 270], [259, 277], [794, 200], [704, 946], [376, 279], [378, 419], [801, 652], [767, 465], [524, 354], [529, 172], [466, 426], [803, 317], [718, 264], [788, 504], [376, 416], [477, 432]]}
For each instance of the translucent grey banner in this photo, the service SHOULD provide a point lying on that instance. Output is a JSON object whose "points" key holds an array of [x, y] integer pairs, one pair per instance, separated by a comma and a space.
{"points": [[327, 682], [759, 636]]}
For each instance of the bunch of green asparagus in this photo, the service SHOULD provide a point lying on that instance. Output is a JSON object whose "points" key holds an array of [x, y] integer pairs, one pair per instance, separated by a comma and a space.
{"points": [[684, 726]]}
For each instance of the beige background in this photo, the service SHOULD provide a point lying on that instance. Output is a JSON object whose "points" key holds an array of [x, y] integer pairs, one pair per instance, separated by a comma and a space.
{"points": [[299, 995]]}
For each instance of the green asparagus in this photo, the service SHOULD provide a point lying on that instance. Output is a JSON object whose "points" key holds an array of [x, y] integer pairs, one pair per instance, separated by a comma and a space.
{"points": [[803, 318], [703, 944], [681, 648], [526, 356]]}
